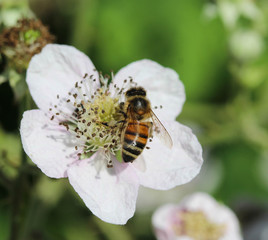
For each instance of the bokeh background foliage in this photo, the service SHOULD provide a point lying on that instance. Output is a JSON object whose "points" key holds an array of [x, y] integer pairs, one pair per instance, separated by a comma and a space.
{"points": [[225, 77]]}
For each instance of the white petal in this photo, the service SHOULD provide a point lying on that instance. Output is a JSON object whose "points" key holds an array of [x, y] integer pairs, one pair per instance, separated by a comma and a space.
{"points": [[110, 194], [55, 71], [162, 84], [217, 213], [139, 164], [167, 168], [46, 143], [162, 224]]}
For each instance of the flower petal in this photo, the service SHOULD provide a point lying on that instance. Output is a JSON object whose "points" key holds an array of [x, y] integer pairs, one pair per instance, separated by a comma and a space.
{"points": [[47, 144], [55, 71], [110, 193], [217, 213], [162, 84], [167, 168], [161, 222]]}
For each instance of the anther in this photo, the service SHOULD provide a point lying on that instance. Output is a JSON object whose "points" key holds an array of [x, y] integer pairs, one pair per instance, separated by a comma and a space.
{"points": [[66, 125]]}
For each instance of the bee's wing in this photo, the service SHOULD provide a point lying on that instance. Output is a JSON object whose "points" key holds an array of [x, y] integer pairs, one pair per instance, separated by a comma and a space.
{"points": [[160, 131]]}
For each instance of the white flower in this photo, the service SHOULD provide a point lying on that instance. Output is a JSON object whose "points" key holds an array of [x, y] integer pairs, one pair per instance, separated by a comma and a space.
{"points": [[246, 44], [197, 217], [230, 11], [67, 137]]}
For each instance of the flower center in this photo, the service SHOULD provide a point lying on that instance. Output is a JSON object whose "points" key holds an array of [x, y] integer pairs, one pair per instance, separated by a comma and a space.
{"points": [[96, 121], [21, 42], [197, 226], [97, 124]]}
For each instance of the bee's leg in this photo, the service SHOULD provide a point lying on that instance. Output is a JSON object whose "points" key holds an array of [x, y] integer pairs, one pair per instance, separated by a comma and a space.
{"points": [[121, 111], [121, 121], [121, 106], [151, 130], [112, 124]]}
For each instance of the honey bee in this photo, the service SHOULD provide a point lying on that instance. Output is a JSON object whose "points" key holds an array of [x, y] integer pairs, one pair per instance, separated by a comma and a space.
{"points": [[140, 122]]}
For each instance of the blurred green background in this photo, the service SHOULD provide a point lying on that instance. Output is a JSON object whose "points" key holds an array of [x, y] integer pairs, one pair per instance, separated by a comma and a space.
{"points": [[219, 48]]}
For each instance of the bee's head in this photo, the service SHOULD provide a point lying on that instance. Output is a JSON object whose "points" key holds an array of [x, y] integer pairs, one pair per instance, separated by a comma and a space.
{"points": [[139, 105], [135, 91]]}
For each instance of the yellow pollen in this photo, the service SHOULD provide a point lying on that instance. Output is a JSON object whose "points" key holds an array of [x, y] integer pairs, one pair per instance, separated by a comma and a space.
{"points": [[197, 226]]}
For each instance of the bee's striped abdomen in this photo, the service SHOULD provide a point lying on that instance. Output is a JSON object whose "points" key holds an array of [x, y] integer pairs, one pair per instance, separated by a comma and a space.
{"points": [[135, 139]]}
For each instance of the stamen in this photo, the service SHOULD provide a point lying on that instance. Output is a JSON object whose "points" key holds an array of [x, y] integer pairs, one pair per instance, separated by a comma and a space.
{"points": [[91, 115], [196, 225]]}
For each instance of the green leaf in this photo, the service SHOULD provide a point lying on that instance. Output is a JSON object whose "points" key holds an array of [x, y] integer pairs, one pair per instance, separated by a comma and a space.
{"points": [[2, 79], [241, 175], [10, 148], [4, 223], [18, 84]]}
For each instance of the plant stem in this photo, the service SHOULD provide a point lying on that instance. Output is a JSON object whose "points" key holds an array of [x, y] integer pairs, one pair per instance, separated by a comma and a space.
{"points": [[20, 193]]}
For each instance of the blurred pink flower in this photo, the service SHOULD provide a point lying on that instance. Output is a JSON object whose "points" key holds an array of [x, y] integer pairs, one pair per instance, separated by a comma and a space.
{"points": [[197, 217], [64, 138]]}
